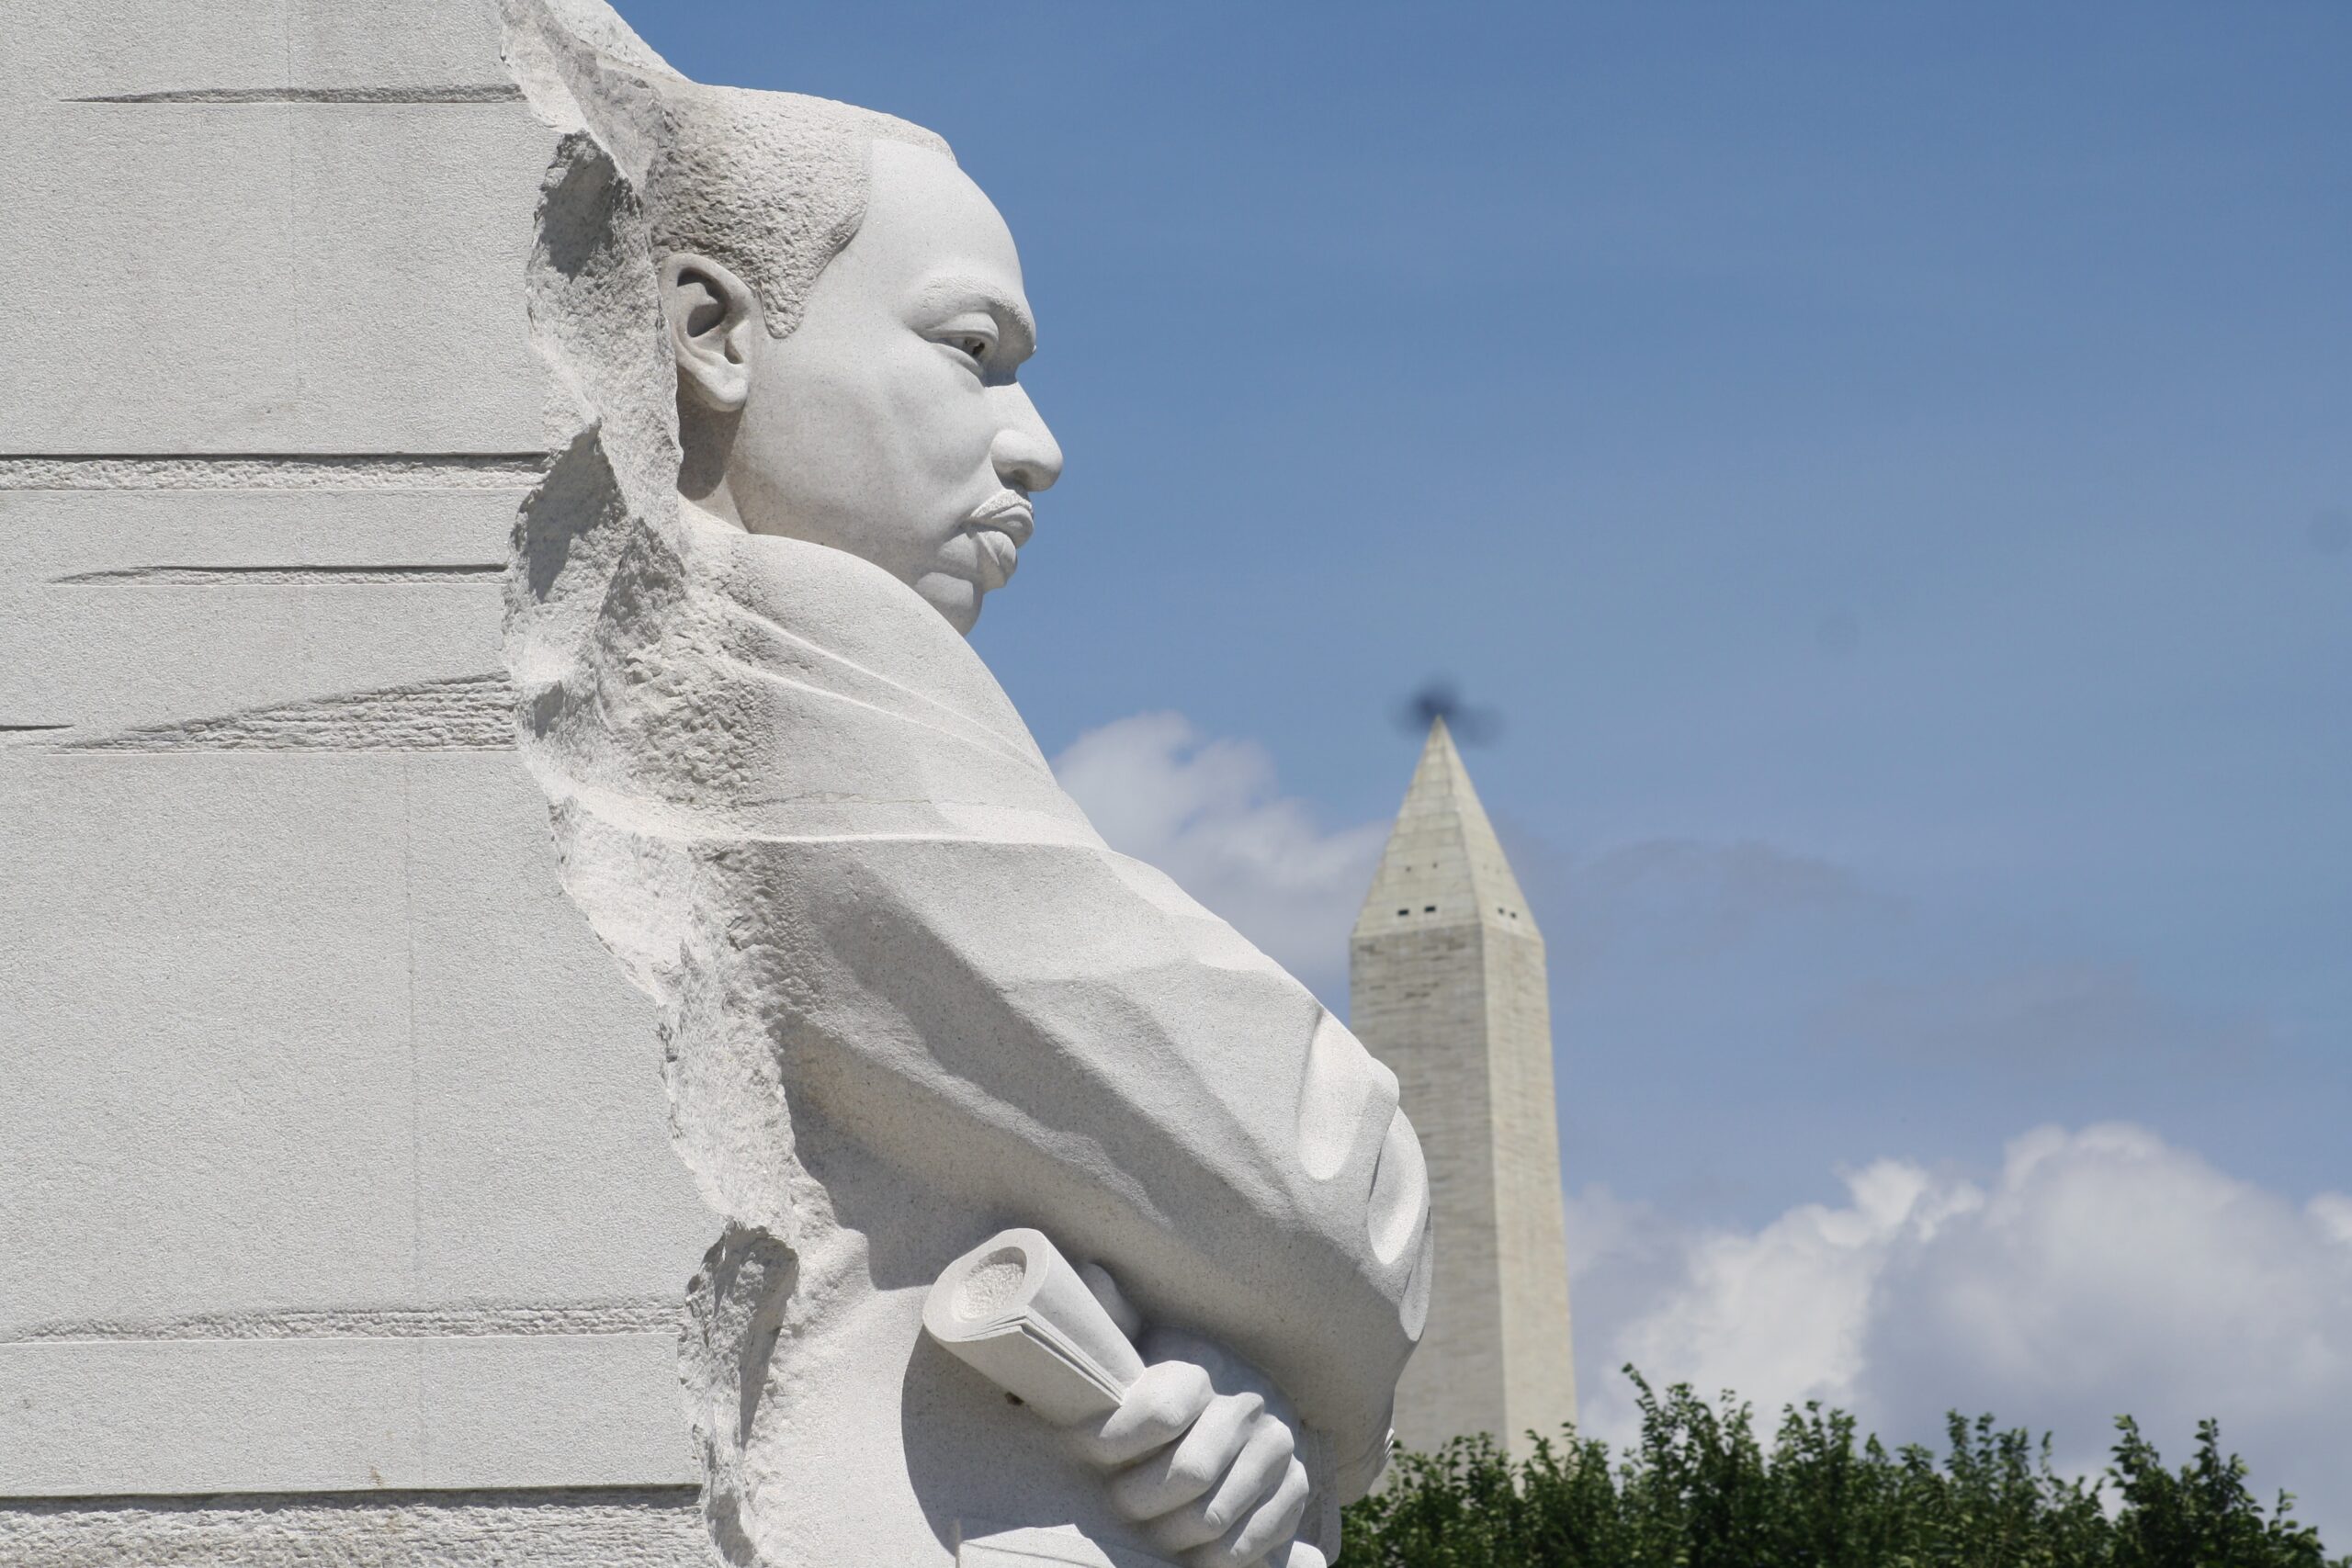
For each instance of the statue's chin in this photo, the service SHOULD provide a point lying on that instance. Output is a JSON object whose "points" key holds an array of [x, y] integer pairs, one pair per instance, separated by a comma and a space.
{"points": [[958, 598]]}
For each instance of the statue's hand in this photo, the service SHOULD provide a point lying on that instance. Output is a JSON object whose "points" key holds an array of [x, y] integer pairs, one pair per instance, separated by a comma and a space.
{"points": [[1212, 1476]]}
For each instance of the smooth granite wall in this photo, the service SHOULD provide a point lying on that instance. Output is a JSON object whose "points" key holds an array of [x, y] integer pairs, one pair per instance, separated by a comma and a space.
{"points": [[335, 1177]]}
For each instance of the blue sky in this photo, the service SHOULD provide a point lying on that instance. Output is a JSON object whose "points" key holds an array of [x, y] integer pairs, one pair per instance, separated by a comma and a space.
{"points": [[1890, 468]]}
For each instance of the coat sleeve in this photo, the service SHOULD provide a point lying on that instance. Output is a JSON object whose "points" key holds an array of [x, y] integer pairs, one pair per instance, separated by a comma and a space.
{"points": [[1058, 1033]]}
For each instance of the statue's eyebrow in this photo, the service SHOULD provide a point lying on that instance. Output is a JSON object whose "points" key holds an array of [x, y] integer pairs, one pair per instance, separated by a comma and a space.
{"points": [[948, 295]]}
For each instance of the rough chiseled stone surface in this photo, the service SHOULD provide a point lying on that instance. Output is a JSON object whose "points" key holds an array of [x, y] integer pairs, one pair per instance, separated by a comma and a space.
{"points": [[1447, 986]]}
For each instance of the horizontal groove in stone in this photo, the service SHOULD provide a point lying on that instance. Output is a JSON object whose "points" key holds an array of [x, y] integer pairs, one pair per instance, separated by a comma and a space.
{"points": [[358, 470], [445, 93], [372, 1323], [468, 713], [611, 1527], [277, 576], [357, 1501]]}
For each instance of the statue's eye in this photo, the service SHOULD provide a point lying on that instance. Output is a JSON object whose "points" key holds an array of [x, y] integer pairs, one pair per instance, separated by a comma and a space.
{"points": [[971, 336]]}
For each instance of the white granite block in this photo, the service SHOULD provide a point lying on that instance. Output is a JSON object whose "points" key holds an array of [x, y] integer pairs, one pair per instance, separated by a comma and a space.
{"points": [[324, 1414], [51, 50], [356, 295]]}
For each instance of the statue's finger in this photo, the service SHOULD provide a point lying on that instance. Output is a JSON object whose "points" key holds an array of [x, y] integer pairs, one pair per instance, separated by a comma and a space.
{"points": [[1299, 1555], [1261, 1535], [1159, 1407], [1254, 1477], [1189, 1467], [1113, 1301]]}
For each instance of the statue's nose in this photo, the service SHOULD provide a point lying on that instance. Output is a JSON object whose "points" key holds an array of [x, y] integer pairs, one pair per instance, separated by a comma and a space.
{"points": [[1025, 453]]}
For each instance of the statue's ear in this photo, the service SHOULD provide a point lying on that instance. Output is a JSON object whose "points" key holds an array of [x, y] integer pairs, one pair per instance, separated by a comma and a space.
{"points": [[714, 321]]}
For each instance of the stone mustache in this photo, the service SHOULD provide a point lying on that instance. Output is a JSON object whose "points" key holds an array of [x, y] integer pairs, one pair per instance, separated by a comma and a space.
{"points": [[907, 997]]}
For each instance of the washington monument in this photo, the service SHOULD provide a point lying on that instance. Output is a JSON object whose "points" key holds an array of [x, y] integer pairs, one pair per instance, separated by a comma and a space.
{"points": [[1446, 986]]}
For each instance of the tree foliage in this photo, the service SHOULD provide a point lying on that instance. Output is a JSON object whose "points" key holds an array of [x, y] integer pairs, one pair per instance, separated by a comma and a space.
{"points": [[1701, 1490]]}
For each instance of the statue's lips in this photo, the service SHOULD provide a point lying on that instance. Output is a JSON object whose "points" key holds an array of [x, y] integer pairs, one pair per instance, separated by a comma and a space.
{"points": [[1000, 526]]}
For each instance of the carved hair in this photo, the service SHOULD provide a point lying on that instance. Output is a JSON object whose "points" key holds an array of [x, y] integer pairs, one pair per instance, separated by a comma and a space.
{"points": [[773, 184]]}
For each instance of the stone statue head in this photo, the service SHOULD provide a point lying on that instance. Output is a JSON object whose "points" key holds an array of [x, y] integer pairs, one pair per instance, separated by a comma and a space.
{"points": [[847, 312]]}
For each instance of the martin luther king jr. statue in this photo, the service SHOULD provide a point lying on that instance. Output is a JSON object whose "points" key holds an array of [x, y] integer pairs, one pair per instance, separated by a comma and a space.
{"points": [[1054, 1221]]}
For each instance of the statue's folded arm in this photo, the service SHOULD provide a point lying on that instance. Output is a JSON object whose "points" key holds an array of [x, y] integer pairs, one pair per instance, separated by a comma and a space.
{"points": [[1051, 1034]]}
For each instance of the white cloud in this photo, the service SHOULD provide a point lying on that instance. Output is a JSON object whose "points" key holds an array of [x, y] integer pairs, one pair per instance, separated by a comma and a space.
{"points": [[2101, 1272], [1210, 813]]}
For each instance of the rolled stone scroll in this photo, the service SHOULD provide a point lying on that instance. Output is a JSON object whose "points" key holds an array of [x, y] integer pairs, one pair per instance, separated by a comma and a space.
{"points": [[1014, 1310]]}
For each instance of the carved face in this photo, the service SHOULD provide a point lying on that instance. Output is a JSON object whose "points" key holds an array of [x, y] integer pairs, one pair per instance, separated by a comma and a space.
{"points": [[888, 423]]}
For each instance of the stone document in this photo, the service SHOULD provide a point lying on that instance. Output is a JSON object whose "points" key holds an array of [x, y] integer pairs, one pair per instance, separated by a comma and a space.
{"points": [[1446, 986], [533, 947]]}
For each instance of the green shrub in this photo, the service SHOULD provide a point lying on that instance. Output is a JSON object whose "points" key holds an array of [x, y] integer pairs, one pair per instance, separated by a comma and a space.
{"points": [[1700, 1489]]}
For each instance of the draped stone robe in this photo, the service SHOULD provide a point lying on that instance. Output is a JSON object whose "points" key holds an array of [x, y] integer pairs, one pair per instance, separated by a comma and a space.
{"points": [[911, 997]]}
